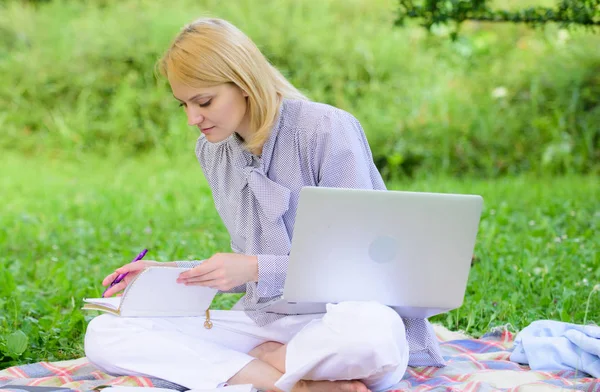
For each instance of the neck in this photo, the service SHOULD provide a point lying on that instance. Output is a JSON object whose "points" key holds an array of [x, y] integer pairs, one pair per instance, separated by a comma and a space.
{"points": [[244, 128], [256, 150]]}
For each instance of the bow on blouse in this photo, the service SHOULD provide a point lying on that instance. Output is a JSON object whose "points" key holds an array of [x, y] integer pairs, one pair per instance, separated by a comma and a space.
{"points": [[273, 198]]}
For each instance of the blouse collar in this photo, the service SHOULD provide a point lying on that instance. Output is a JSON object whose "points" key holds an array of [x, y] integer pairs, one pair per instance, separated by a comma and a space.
{"points": [[243, 157]]}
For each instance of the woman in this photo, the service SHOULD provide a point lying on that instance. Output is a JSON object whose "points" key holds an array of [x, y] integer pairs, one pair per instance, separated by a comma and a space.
{"points": [[261, 142]]}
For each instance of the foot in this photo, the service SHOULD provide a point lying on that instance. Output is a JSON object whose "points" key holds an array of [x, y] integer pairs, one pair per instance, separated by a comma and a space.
{"points": [[330, 386]]}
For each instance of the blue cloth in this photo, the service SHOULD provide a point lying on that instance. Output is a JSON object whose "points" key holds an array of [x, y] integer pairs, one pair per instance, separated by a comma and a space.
{"points": [[555, 345]]}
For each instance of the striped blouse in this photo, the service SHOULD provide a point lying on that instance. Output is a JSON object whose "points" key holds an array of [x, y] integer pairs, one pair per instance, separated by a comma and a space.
{"points": [[311, 144]]}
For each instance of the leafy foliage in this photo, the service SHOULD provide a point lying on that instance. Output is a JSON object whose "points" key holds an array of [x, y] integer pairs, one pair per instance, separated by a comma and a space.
{"points": [[76, 79], [566, 13]]}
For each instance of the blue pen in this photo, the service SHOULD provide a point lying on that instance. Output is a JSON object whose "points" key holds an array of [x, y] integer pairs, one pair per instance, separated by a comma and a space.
{"points": [[122, 276]]}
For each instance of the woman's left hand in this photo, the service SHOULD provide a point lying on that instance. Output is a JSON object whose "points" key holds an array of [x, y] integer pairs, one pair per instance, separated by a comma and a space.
{"points": [[223, 271]]}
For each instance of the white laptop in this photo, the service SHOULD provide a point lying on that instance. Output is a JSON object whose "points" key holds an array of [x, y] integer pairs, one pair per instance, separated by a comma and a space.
{"points": [[408, 250]]}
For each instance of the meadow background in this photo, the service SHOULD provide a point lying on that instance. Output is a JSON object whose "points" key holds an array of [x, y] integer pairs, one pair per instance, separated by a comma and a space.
{"points": [[97, 162]]}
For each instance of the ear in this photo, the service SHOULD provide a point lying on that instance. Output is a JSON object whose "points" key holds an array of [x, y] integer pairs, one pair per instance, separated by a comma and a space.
{"points": [[244, 94]]}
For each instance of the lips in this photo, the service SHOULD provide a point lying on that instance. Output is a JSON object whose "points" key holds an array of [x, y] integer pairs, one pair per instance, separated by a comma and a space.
{"points": [[207, 130]]}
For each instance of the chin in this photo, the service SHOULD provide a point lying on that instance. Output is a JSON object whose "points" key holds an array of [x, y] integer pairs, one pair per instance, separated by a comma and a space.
{"points": [[215, 138]]}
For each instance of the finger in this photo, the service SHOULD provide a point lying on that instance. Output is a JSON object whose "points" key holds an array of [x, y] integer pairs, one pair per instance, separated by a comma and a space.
{"points": [[115, 289], [132, 267], [207, 283], [213, 284], [198, 270], [212, 275], [109, 279]]}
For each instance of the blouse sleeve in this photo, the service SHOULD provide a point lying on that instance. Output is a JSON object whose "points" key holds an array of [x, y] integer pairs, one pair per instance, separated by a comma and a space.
{"points": [[338, 156]]}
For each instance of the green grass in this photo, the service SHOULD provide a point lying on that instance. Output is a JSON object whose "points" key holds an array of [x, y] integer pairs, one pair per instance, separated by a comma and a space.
{"points": [[65, 223], [77, 94]]}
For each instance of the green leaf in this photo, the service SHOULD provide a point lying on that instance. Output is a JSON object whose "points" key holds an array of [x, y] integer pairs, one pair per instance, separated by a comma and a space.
{"points": [[16, 343]]}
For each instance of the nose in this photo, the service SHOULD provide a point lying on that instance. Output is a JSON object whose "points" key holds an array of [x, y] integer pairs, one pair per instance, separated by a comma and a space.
{"points": [[195, 117]]}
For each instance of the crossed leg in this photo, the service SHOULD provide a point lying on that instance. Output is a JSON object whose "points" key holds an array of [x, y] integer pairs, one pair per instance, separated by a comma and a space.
{"points": [[270, 365], [272, 353], [349, 341]]}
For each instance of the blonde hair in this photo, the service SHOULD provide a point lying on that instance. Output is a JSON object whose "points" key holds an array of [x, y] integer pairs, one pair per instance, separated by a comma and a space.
{"points": [[210, 52]]}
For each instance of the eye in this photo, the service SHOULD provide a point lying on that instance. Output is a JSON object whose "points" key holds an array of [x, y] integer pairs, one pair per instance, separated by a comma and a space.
{"points": [[181, 104], [205, 104]]}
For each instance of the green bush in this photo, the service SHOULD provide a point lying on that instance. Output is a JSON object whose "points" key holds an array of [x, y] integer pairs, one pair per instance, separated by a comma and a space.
{"points": [[567, 13], [77, 78]]}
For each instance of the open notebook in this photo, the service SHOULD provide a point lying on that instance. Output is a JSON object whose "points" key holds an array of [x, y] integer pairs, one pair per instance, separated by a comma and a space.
{"points": [[156, 293]]}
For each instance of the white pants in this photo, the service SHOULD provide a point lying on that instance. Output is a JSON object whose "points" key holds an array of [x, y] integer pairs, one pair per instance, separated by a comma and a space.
{"points": [[353, 341]]}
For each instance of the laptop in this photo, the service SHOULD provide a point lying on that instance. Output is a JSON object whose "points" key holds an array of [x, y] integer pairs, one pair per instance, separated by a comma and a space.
{"points": [[408, 250]]}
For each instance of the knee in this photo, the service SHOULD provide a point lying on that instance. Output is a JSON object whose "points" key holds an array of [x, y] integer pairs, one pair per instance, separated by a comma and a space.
{"points": [[369, 321], [371, 339], [102, 340], [383, 344], [371, 330], [388, 325]]}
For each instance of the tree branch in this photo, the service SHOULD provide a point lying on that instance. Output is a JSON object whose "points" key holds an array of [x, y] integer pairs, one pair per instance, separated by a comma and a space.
{"points": [[431, 12]]}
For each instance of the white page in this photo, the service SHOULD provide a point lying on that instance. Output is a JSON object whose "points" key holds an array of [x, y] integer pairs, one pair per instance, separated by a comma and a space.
{"points": [[112, 302], [156, 293]]}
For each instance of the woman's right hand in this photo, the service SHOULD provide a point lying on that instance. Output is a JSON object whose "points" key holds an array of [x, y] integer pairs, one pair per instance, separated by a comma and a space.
{"points": [[132, 270]]}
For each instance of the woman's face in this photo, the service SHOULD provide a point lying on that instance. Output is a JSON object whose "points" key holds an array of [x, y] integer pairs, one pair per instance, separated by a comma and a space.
{"points": [[217, 111]]}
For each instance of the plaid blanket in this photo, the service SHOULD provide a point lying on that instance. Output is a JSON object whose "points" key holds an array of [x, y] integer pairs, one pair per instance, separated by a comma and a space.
{"points": [[473, 365]]}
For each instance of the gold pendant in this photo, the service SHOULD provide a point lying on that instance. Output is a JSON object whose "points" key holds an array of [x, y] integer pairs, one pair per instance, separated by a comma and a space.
{"points": [[208, 324]]}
